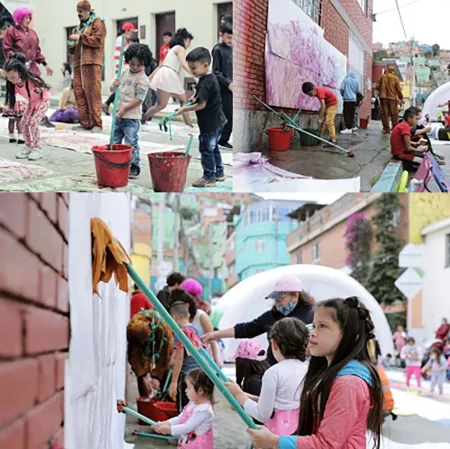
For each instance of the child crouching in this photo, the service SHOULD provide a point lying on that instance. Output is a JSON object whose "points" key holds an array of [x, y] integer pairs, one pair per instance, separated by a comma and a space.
{"points": [[194, 425]]}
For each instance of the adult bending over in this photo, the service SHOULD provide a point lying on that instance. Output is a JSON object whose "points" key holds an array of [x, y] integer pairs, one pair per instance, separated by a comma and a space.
{"points": [[166, 78], [289, 300]]}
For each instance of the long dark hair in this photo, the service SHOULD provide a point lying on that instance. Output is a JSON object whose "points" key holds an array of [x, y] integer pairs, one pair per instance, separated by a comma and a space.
{"points": [[17, 64], [67, 68], [246, 368], [357, 329], [199, 380], [179, 37]]}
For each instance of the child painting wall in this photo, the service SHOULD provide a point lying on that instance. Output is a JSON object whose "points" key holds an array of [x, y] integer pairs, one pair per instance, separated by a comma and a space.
{"points": [[296, 52]]}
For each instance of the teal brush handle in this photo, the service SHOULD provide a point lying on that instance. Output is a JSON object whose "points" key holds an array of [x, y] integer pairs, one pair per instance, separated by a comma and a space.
{"points": [[189, 346], [138, 415], [189, 145], [116, 96], [166, 384], [154, 435]]}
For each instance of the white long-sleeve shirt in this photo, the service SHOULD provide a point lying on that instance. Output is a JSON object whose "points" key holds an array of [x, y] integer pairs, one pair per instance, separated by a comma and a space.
{"points": [[416, 355], [200, 421], [282, 386]]}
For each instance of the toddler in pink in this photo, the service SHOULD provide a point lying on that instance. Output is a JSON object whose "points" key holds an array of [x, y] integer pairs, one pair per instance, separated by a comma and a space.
{"points": [[194, 425], [31, 87], [412, 355]]}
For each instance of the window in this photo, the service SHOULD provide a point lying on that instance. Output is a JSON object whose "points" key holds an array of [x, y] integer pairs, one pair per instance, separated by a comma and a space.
{"points": [[447, 250], [283, 214], [396, 219], [299, 257], [252, 216], [316, 251], [266, 215], [259, 245], [313, 8], [363, 5]]}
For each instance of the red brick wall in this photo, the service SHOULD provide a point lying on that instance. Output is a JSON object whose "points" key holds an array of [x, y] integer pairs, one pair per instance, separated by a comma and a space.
{"points": [[34, 323], [250, 23]]}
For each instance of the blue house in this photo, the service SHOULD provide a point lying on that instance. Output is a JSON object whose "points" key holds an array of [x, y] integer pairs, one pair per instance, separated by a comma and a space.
{"points": [[261, 232]]}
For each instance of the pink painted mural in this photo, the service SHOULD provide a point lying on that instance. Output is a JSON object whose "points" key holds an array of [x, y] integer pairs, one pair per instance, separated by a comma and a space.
{"points": [[296, 52]]}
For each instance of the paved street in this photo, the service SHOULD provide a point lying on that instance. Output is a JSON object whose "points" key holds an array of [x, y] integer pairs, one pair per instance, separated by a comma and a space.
{"points": [[423, 422], [68, 163]]}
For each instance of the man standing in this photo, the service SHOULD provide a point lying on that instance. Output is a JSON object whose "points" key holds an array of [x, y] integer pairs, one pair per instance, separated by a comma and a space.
{"points": [[167, 37], [349, 91], [390, 94], [223, 69], [174, 280], [127, 31], [87, 44]]}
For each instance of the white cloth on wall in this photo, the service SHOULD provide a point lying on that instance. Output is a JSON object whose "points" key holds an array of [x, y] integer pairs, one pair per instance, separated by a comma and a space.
{"points": [[96, 370]]}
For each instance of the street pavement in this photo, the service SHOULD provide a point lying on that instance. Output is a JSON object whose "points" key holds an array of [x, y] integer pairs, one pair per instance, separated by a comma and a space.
{"points": [[423, 421], [67, 167]]}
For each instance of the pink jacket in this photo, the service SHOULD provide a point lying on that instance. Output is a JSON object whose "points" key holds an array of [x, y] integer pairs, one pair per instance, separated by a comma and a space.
{"points": [[344, 423]]}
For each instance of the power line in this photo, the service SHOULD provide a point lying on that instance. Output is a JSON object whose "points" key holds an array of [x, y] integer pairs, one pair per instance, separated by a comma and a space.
{"points": [[395, 9], [401, 19]]}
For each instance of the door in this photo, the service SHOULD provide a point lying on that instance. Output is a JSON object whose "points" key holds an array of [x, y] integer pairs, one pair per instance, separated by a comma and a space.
{"points": [[164, 22], [223, 9]]}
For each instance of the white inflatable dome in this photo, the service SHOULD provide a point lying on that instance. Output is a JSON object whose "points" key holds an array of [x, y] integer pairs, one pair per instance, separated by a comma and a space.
{"points": [[246, 300], [440, 96]]}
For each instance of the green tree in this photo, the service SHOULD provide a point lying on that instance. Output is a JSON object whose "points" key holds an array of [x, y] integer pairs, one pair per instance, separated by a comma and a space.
{"points": [[385, 270], [379, 55], [436, 50], [358, 237]]}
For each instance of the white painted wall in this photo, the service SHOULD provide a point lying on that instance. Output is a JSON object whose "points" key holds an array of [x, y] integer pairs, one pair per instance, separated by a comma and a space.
{"points": [[436, 302], [96, 369], [200, 20]]}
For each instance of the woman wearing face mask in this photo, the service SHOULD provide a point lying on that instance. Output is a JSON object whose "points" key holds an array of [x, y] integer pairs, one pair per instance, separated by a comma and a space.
{"points": [[289, 300]]}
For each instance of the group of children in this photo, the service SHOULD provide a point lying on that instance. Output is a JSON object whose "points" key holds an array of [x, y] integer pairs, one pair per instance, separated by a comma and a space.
{"points": [[339, 392]]}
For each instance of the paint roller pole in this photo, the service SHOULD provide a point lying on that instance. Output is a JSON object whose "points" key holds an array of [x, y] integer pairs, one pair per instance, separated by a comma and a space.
{"points": [[189, 145], [116, 95], [189, 346], [211, 361]]}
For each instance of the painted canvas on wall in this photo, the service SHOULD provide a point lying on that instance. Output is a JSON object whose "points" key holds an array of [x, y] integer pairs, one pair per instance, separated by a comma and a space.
{"points": [[296, 51]]}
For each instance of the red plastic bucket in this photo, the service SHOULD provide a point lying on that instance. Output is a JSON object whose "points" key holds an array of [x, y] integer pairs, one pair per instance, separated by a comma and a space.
{"points": [[165, 410], [363, 123], [112, 167], [279, 139], [146, 408], [168, 170]]}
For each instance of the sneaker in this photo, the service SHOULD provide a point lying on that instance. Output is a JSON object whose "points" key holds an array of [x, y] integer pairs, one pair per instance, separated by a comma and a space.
{"points": [[35, 155], [226, 145], [135, 171], [12, 140], [21, 142], [23, 154], [220, 178], [330, 142], [105, 108], [440, 162], [202, 183], [47, 123], [355, 129], [346, 131]]}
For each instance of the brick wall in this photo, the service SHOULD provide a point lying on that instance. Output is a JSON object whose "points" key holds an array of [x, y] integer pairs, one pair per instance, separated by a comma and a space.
{"points": [[250, 24], [34, 318]]}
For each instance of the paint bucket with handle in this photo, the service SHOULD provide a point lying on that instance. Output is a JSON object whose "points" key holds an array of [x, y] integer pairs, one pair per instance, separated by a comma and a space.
{"points": [[112, 162], [169, 169]]}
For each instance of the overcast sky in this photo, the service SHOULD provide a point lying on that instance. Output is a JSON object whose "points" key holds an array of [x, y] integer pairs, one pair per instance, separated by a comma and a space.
{"points": [[321, 198], [427, 21]]}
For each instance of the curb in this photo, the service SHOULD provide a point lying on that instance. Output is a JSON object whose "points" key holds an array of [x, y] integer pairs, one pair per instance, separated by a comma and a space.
{"points": [[389, 178]]}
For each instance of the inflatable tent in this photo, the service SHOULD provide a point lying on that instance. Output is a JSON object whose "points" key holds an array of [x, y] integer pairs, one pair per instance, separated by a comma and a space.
{"points": [[440, 96], [246, 300]]}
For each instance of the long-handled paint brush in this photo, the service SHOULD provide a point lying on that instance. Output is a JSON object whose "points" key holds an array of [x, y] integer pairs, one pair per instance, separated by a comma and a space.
{"points": [[116, 95], [166, 120]]}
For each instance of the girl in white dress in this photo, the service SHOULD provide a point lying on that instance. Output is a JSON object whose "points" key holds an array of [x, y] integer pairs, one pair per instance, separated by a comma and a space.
{"points": [[166, 78]]}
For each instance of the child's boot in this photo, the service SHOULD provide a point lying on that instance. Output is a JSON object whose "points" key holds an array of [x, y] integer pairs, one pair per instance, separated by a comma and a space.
{"points": [[12, 138], [20, 139], [135, 171], [24, 153]]}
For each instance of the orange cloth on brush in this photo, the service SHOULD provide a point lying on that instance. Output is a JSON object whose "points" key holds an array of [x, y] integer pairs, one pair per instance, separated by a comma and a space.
{"points": [[108, 257]]}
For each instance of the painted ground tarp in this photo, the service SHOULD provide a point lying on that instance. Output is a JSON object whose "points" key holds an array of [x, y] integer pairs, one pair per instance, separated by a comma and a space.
{"points": [[296, 52]]}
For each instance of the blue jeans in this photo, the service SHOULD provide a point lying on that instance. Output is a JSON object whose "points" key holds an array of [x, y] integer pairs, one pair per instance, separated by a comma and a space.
{"points": [[210, 154], [128, 129]]}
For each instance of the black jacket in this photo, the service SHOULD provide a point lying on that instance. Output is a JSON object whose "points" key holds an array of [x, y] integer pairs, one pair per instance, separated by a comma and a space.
{"points": [[264, 324], [163, 296], [223, 65]]}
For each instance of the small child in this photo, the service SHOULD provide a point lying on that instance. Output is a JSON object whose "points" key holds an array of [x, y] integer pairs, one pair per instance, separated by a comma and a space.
{"points": [[412, 355], [184, 361], [251, 364], [211, 119], [134, 85], [33, 88], [437, 364], [387, 361], [328, 107], [278, 404], [342, 395], [447, 348], [402, 147], [194, 424]]}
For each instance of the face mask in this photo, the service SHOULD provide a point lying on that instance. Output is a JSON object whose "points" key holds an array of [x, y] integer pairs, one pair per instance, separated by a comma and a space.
{"points": [[286, 309]]}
